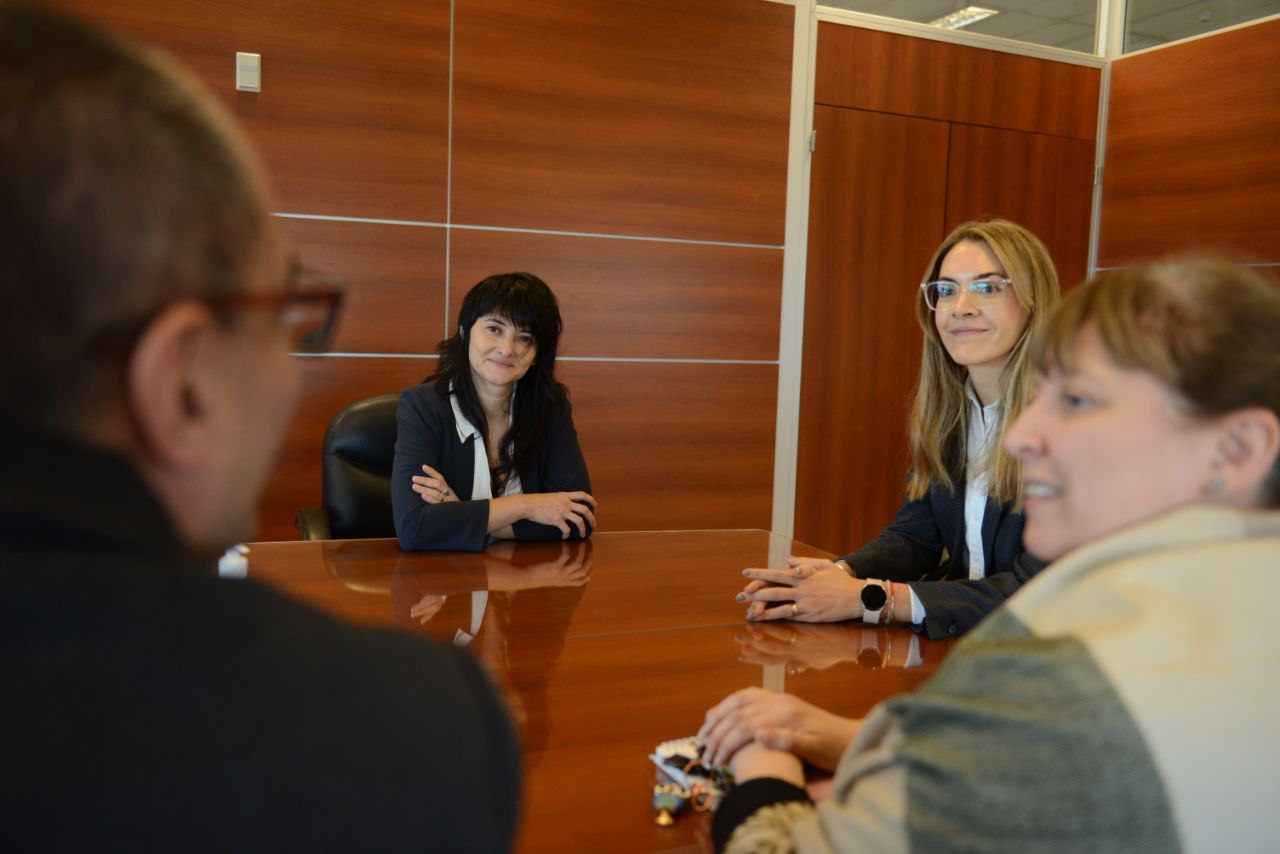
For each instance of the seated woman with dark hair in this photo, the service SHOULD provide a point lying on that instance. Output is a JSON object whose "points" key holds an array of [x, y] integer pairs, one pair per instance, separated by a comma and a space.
{"points": [[486, 446], [1122, 700]]}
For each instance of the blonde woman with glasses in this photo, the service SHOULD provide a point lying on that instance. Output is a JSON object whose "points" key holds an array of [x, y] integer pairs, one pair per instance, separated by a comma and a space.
{"points": [[954, 552]]}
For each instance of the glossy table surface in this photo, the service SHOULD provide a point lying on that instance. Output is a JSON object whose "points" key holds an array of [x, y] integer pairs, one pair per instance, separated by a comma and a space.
{"points": [[603, 649]]}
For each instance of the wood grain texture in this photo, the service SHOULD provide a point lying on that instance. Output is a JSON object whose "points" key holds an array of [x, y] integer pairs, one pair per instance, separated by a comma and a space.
{"points": [[668, 445], [875, 217], [676, 445], [1042, 182], [587, 670], [639, 299], [1191, 154], [892, 73], [644, 117], [394, 278], [353, 114]]}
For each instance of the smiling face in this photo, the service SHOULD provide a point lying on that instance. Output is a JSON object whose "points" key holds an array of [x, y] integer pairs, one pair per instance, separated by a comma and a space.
{"points": [[500, 353], [978, 337], [1103, 448]]}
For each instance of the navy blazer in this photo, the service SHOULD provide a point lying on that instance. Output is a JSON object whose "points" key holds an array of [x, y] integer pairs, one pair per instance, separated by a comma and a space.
{"points": [[427, 433], [925, 547]]}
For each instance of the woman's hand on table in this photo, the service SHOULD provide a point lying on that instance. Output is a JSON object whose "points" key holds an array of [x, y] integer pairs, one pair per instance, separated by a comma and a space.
{"points": [[562, 509], [776, 721], [812, 590], [432, 486]]}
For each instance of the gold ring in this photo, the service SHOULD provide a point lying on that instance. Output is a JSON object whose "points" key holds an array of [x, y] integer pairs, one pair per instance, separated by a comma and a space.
{"points": [[794, 610]]}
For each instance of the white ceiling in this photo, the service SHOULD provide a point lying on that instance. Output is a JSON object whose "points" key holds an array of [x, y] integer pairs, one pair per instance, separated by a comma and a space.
{"points": [[1071, 24]]}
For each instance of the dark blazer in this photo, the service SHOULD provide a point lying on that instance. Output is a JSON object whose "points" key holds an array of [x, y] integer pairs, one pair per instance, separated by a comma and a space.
{"points": [[925, 547], [153, 705], [427, 433]]}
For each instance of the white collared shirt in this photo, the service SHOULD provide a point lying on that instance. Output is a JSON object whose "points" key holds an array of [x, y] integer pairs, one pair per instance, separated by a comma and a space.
{"points": [[481, 479], [481, 489], [982, 428]]}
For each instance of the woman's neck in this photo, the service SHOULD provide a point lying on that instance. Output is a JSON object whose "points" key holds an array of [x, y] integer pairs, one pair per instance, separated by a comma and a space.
{"points": [[986, 382], [494, 400]]}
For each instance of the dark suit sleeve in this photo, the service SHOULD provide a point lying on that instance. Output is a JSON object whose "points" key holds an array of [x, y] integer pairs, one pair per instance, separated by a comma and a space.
{"points": [[421, 433], [953, 607], [561, 468], [908, 550]]}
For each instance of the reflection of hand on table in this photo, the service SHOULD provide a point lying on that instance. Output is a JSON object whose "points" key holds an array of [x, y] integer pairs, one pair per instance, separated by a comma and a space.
{"points": [[570, 568], [427, 607], [803, 647]]}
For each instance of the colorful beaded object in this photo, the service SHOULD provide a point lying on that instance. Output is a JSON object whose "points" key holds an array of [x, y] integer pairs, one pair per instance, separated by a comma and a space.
{"points": [[696, 785]]}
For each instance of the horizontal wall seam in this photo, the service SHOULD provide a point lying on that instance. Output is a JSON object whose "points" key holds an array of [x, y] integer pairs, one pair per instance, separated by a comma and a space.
{"points": [[461, 227], [1236, 263]]}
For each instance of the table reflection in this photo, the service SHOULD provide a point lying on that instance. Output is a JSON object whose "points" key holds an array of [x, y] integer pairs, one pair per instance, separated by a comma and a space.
{"points": [[807, 646], [510, 605]]}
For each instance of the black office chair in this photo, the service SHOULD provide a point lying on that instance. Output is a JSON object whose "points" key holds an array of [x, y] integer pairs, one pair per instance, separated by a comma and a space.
{"points": [[359, 446]]}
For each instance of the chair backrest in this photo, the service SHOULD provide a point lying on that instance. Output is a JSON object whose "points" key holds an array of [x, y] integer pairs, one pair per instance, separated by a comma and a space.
{"points": [[359, 446]]}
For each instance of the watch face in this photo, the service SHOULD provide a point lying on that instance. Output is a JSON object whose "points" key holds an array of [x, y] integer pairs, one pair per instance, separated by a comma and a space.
{"points": [[870, 659], [873, 597]]}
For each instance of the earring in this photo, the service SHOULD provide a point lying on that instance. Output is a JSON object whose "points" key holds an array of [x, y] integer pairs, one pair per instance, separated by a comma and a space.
{"points": [[1216, 485]]}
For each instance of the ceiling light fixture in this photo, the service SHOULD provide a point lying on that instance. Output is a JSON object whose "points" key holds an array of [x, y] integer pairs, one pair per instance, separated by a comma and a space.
{"points": [[964, 17]]}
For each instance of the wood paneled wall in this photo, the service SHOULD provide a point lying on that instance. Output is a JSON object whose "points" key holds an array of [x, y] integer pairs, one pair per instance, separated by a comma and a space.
{"points": [[614, 148], [914, 137], [1191, 155]]}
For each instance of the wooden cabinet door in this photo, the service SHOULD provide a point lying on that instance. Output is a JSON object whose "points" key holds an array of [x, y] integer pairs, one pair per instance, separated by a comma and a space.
{"points": [[876, 211]]}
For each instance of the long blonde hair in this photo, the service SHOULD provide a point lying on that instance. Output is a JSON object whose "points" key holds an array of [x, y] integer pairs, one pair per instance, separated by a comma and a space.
{"points": [[939, 418]]}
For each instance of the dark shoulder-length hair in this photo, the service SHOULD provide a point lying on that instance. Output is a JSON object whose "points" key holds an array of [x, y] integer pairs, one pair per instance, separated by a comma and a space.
{"points": [[525, 301]]}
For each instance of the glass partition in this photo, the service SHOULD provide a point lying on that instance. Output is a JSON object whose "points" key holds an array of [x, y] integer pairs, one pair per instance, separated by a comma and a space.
{"points": [[1068, 24]]}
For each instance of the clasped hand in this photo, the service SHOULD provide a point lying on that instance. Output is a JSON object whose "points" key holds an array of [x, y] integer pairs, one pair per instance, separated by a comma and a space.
{"points": [[558, 509], [777, 722], [821, 590], [562, 509]]}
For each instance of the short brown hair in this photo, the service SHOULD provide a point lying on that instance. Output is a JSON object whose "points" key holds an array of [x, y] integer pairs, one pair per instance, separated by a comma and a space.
{"points": [[1208, 329], [122, 188]]}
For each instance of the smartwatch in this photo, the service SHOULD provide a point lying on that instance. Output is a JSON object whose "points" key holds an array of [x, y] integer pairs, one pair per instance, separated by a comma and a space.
{"points": [[873, 598]]}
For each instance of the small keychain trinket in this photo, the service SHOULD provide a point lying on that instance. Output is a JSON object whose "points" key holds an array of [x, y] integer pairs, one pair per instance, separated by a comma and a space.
{"points": [[668, 799]]}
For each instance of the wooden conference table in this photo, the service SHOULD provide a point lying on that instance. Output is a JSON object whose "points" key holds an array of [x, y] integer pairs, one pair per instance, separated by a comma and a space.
{"points": [[603, 649]]}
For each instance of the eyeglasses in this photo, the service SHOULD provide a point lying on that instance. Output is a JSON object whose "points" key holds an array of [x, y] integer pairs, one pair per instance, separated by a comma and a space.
{"points": [[309, 306], [942, 295]]}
